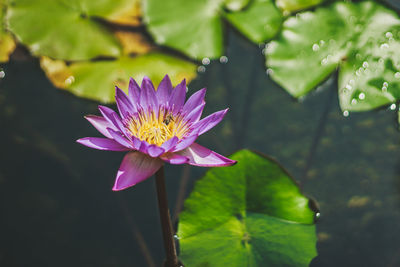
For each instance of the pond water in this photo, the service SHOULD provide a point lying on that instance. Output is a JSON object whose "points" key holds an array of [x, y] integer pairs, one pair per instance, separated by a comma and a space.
{"points": [[57, 207]]}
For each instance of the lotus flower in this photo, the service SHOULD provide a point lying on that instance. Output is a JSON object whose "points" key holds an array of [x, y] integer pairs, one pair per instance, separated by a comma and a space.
{"points": [[155, 126]]}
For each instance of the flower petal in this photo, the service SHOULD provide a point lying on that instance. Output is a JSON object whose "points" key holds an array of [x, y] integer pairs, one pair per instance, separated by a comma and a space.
{"points": [[209, 122], [204, 157], [164, 90], [124, 105], [170, 143], [101, 124], [194, 101], [177, 97], [112, 117], [135, 168], [173, 158], [185, 143], [117, 136], [134, 92], [102, 144], [155, 151], [148, 94], [195, 114]]}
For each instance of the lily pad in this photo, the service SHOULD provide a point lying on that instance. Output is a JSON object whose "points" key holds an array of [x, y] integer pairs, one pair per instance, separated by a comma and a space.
{"points": [[7, 43], [97, 80], [195, 27], [251, 214], [361, 39], [259, 22], [68, 30], [295, 5]]}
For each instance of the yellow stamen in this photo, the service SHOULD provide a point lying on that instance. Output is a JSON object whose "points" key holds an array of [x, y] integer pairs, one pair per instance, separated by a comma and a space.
{"points": [[157, 128]]}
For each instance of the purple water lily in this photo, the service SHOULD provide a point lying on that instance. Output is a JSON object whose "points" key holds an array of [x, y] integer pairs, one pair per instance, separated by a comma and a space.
{"points": [[155, 126]]}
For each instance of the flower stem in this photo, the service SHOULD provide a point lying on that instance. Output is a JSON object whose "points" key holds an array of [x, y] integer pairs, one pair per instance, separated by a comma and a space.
{"points": [[166, 225]]}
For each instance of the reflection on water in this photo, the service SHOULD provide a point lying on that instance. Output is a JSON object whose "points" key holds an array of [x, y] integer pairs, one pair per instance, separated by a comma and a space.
{"points": [[57, 207]]}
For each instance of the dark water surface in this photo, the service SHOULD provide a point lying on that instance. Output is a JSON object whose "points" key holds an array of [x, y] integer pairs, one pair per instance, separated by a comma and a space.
{"points": [[56, 203]]}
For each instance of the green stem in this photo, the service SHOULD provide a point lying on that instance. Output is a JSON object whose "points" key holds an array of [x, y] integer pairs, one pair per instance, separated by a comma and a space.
{"points": [[166, 225]]}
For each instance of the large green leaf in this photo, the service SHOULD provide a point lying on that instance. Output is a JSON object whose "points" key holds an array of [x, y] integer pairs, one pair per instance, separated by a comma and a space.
{"points": [[67, 30], [7, 43], [259, 22], [96, 80], [359, 38], [251, 214], [195, 27]]}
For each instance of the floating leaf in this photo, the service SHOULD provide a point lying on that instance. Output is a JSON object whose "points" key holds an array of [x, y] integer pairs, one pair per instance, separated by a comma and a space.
{"points": [[195, 27], [251, 214], [359, 38], [295, 5], [96, 80], [67, 30], [259, 22], [7, 44]]}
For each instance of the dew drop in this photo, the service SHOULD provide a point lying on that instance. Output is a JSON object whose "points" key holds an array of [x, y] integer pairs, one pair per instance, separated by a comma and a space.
{"points": [[381, 61], [354, 101], [269, 72], [324, 61], [315, 47], [351, 81], [176, 237], [346, 113], [388, 35], [393, 106], [224, 59], [384, 46], [70, 80], [321, 43], [201, 69], [349, 87], [397, 75], [358, 56], [384, 88], [2, 74], [365, 64], [205, 61], [385, 84], [361, 96]]}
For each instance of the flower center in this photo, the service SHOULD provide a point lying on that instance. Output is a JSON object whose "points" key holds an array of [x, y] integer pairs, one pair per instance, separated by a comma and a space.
{"points": [[157, 127]]}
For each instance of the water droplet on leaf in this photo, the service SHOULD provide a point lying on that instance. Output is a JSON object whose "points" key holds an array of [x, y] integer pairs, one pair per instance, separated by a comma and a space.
{"points": [[205, 61], [224, 59]]}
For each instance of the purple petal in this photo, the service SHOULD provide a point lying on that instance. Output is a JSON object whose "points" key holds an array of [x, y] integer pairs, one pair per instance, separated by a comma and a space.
{"points": [[112, 117], [164, 90], [194, 101], [170, 143], [185, 143], [195, 114], [102, 144], [134, 92], [101, 124], [155, 151], [177, 97], [173, 158], [135, 167], [148, 94], [143, 147], [209, 122], [124, 105], [204, 157], [117, 136]]}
